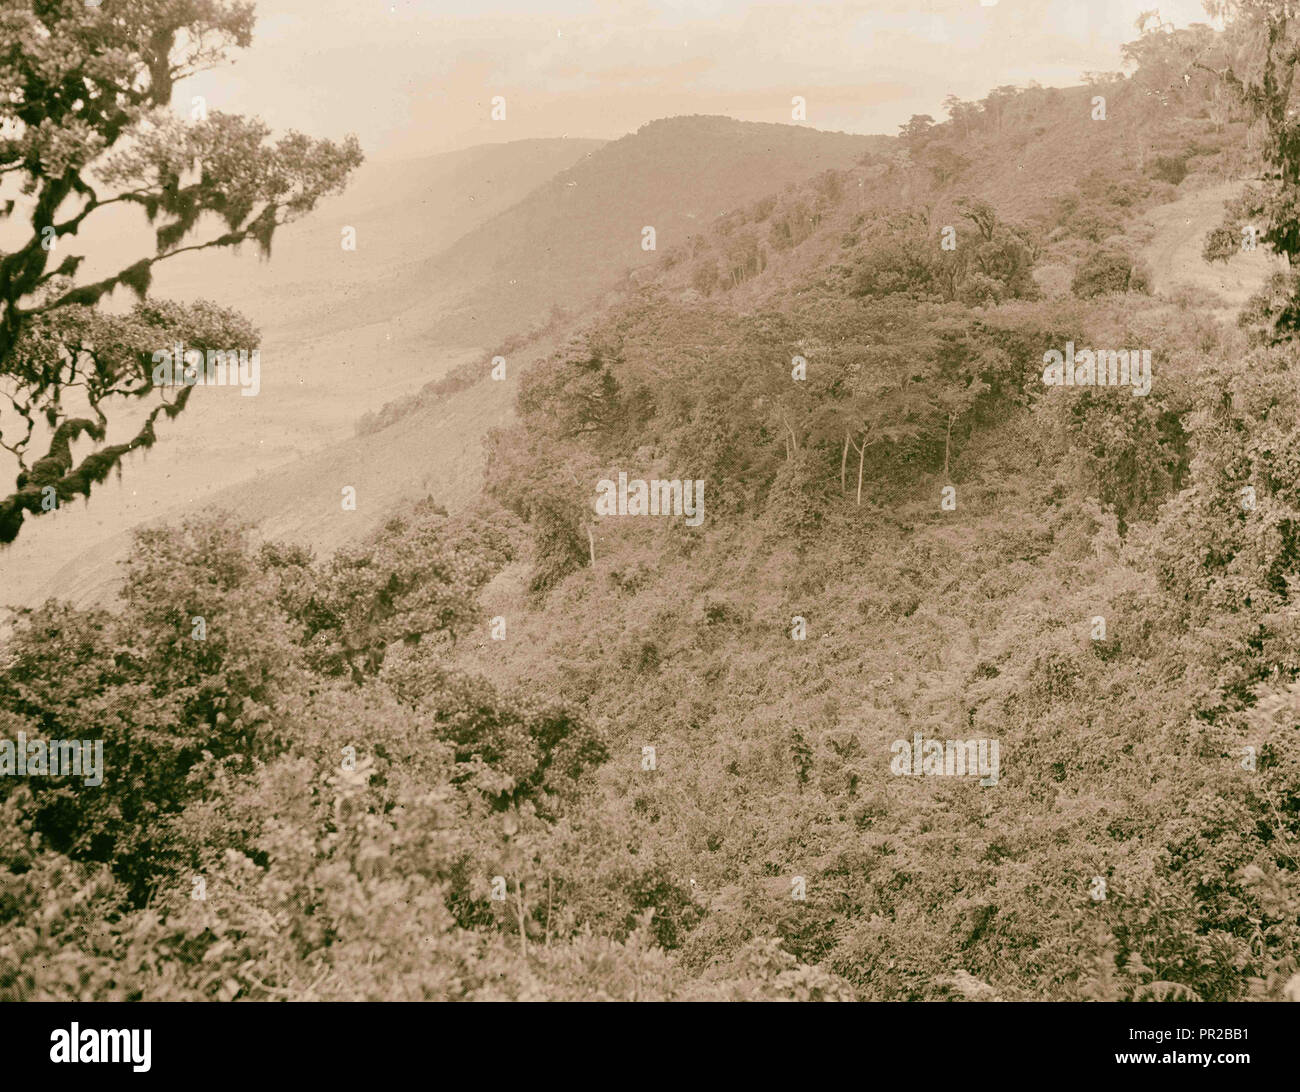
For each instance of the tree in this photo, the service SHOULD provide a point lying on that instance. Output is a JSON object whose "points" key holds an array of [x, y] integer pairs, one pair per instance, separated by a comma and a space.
{"points": [[1263, 50], [953, 403], [187, 673], [916, 129], [1171, 61], [574, 393], [885, 397], [1106, 270], [963, 114], [995, 103], [1003, 254], [527, 473], [416, 577], [901, 257], [945, 165], [84, 124], [108, 358]]}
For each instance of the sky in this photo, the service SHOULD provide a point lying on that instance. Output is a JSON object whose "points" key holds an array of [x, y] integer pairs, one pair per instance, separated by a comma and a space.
{"points": [[417, 77]]}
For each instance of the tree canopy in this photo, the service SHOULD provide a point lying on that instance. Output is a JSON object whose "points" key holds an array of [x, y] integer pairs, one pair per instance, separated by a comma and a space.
{"points": [[85, 124]]}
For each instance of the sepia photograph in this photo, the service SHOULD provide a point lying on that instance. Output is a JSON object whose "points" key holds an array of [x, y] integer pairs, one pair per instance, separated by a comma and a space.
{"points": [[651, 501]]}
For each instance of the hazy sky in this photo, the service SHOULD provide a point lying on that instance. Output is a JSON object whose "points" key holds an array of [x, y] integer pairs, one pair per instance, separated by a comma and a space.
{"points": [[413, 77]]}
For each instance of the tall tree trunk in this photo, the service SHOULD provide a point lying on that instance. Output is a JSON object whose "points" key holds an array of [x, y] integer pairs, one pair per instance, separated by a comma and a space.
{"points": [[862, 454], [947, 445], [861, 449], [792, 444], [522, 919], [844, 462]]}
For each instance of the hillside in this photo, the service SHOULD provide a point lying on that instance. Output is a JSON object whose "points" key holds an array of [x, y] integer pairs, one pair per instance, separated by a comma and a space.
{"points": [[760, 252], [403, 212], [966, 685], [326, 360], [1120, 788], [353, 342], [436, 451], [581, 232]]}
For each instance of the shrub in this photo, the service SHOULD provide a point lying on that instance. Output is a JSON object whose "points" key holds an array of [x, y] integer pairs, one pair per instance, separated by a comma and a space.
{"points": [[1169, 168], [1106, 270]]}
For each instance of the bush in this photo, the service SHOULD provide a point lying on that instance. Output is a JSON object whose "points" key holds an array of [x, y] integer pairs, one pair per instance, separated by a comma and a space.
{"points": [[1106, 270], [1169, 168]]}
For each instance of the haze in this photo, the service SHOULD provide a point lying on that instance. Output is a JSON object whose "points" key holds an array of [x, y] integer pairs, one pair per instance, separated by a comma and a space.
{"points": [[414, 77]]}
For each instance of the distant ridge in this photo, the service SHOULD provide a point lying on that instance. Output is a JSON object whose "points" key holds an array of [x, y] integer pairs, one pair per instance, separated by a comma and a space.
{"points": [[582, 229]]}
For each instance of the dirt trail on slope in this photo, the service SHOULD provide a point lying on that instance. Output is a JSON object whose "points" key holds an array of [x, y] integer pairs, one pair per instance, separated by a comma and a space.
{"points": [[1174, 251]]}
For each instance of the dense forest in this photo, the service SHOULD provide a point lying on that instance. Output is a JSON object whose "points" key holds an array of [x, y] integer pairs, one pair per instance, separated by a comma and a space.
{"points": [[530, 751]]}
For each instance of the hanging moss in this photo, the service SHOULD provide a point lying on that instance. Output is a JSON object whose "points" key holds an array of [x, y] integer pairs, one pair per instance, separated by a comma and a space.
{"points": [[138, 277], [55, 469]]}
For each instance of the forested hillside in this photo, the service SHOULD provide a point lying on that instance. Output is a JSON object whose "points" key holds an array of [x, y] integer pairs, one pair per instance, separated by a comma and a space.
{"points": [[680, 782]]}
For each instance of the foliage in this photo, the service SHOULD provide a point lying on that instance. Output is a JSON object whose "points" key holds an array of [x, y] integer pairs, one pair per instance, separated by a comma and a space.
{"points": [[1106, 270], [373, 819], [416, 577], [83, 95]]}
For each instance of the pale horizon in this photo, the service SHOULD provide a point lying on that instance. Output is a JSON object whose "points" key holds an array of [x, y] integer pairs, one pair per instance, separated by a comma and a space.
{"points": [[413, 79]]}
